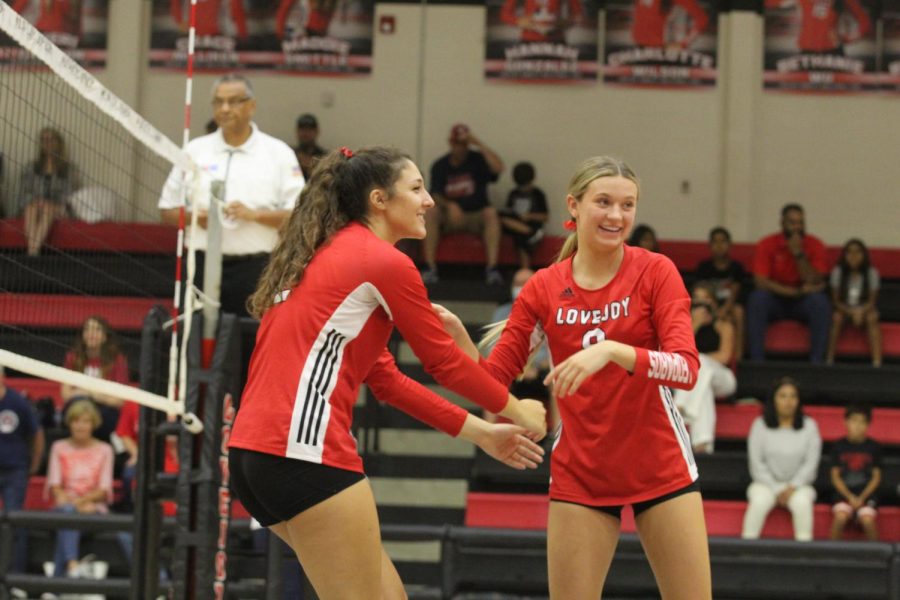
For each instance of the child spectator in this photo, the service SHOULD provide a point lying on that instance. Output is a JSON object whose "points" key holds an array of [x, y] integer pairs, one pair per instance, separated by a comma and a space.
{"points": [[525, 213], [784, 451], [855, 474], [714, 337], [95, 352], [45, 188], [854, 292], [643, 236], [21, 451], [727, 275], [79, 480]]}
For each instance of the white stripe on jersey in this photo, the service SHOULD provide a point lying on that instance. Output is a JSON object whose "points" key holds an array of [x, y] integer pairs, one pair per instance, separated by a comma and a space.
{"points": [[312, 406], [681, 434]]}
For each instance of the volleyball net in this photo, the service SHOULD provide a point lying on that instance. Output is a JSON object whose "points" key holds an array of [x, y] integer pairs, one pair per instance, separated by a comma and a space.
{"points": [[80, 177]]}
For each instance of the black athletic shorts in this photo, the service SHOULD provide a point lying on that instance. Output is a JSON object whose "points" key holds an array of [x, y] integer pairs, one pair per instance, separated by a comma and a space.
{"points": [[276, 488], [639, 507]]}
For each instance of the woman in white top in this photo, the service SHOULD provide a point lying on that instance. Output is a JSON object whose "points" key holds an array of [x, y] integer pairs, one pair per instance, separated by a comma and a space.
{"points": [[784, 451]]}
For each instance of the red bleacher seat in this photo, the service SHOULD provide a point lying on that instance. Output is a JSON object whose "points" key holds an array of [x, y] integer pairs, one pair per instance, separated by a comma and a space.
{"points": [[51, 310], [140, 238], [723, 518], [36, 388], [733, 422], [792, 337]]}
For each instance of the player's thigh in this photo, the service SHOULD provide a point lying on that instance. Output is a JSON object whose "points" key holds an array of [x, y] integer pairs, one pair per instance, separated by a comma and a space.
{"points": [[338, 543], [673, 534], [581, 542]]}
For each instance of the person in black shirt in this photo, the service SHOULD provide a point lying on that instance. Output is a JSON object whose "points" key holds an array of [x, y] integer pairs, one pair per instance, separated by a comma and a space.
{"points": [[525, 213], [727, 275], [855, 474], [307, 149], [459, 181]]}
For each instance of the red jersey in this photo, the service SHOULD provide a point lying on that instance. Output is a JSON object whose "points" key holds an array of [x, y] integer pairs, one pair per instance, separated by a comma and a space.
{"points": [[621, 440], [545, 15], [129, 417], [209, 16], [56, 16], [315, 348], [819, 21], [773, 259], [649, 22]]}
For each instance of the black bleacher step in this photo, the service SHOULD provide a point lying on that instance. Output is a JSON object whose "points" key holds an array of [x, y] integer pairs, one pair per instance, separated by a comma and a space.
{"points": [[420, 515], [474, 289], [726, 475], [820, 384], [889, 301], [91, 274], [51, 345], [418, 467], [489, 475]]}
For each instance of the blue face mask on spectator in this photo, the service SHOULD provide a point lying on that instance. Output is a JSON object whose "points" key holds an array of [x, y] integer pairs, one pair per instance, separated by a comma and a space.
{"points": [[514, 291]]}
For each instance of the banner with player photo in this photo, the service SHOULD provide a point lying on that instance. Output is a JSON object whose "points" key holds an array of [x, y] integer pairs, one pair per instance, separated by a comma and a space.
{"points": [[890, 59], [543, 41], [320, 37], [76, 26], [667, 43], [820, 46]]}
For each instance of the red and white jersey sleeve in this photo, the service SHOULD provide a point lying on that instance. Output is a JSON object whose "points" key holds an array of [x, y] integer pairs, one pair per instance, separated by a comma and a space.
{"points": [[621, 439], [327, 336]]}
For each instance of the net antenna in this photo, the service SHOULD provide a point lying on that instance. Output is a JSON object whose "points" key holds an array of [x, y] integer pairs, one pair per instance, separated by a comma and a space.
{"points": [[122, 159]]}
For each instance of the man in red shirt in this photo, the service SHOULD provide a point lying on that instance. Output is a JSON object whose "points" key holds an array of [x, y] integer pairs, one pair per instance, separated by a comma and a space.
{"points": [[789, 269]]}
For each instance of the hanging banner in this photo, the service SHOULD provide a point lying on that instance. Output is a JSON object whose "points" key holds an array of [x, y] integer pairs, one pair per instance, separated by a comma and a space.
{"points": [[820, 46], [671, 43], [542, 41], [890, 60], [320, 37], [78, 27]]}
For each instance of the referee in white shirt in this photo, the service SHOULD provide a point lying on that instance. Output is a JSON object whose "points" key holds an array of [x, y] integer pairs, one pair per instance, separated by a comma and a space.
{"points": [[257, 176]]}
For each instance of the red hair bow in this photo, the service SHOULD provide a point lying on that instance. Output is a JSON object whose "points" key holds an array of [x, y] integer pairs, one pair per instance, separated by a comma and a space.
{"points": [[570, 225], [346, 151]]}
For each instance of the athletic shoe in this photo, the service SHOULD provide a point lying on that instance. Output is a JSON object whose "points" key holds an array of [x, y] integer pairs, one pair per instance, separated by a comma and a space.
{"points": [[536, 237]]}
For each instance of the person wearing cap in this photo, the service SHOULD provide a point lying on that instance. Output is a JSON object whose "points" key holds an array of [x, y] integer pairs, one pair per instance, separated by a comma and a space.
{"points": [[254, 176], [459, 181], [307, 150]]}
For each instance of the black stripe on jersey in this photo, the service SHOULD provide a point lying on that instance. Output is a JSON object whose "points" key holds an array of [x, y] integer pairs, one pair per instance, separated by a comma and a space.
{"points": [[321, 386], [679, 423], [309, 399]]}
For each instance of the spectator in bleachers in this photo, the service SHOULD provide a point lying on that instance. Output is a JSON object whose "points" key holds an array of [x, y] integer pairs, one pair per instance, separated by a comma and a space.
{"points": [[525, 213], [530, 384], [127, 432], [96, 352], [856, 474], [714, 337], [79, 480], [789, 268], [644, 237], [728, 276], [253, 178], [45, 188], [784, 451], [308, 149], [854, 293], [459, 182], [21, 451]]}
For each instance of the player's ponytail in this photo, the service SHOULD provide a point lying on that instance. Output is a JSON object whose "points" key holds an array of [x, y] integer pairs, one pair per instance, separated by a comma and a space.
{"points": [[336, 194]]}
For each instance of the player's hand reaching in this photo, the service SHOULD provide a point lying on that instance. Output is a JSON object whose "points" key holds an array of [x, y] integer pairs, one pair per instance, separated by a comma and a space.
{"points": [[510, 445], [530, 414], [567, 376]]}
